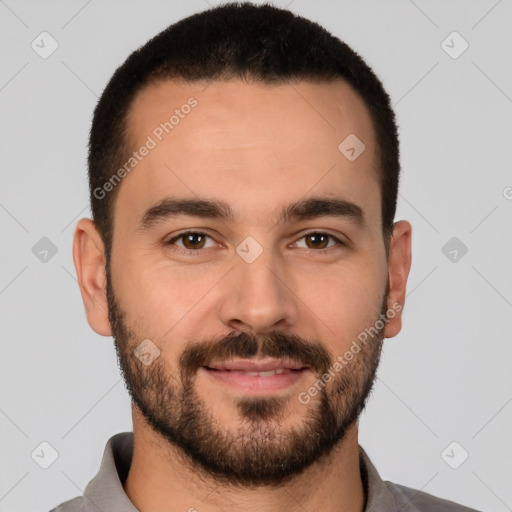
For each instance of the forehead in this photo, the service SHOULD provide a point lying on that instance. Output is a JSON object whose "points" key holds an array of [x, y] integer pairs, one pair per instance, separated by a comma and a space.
{"points": [[256, 147]]}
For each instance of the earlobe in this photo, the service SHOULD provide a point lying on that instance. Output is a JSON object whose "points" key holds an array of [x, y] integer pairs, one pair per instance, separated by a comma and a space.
{"points": [[89, 258], [399, 265]]}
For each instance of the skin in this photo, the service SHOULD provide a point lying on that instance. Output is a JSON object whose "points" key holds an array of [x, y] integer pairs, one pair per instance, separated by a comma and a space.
{"points": [[257, 148]]}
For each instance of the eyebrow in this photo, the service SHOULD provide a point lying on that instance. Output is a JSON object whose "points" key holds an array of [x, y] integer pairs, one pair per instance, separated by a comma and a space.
{"points": [[311, 208]]}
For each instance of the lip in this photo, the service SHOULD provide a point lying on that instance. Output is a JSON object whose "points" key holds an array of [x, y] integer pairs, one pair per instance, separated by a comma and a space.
{"points": [[257, 365], [239, 375]]}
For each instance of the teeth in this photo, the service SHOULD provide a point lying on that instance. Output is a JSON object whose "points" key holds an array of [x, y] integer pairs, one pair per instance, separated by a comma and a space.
{"points": [[263, 374], [267, 374]]}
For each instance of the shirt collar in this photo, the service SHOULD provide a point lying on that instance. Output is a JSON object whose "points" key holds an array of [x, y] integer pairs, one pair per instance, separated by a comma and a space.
{"points": [[378, 496], [105, 491]]}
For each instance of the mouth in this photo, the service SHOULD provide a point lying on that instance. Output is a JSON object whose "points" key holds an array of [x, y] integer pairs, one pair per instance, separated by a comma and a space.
{"points": [[256, 376]]}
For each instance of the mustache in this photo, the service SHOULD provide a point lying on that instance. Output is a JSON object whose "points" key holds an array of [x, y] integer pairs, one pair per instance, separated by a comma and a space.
{"points": [[245, 345]]}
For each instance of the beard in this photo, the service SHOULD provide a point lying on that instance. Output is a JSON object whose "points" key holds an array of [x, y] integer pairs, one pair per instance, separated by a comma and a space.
{"points": [[260, 451]]}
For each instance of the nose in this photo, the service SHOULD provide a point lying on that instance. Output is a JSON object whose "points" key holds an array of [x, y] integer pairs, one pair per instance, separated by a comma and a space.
{"points": [[258, 297]]}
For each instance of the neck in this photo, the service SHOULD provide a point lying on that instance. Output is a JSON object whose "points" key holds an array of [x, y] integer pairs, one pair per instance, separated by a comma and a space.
{"points": [[158, 481]]}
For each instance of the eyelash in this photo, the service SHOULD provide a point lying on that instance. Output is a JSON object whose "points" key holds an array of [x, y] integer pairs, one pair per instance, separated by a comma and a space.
{"points": [[197, 252]]}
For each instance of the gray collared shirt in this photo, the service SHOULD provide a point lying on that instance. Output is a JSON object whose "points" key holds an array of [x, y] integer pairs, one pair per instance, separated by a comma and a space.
{"points": [[105, 493]]}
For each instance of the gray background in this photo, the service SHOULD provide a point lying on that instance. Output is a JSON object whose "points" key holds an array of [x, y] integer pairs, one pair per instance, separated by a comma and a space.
{"points": [[446, 377]]}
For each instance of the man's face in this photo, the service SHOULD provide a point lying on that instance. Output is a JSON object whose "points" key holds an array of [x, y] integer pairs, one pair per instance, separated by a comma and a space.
{"points": [[246, 313]]}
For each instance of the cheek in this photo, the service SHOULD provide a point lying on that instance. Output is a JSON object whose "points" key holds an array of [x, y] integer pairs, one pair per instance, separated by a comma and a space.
{"points": [[346, 302], [165, 302], [148, 286]]}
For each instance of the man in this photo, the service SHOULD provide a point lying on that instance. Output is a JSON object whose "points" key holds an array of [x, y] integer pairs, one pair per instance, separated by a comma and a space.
{"points": [[244, 171]]}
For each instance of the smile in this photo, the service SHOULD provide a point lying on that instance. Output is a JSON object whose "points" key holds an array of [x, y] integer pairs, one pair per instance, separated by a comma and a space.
{"points": [[255, 376]]}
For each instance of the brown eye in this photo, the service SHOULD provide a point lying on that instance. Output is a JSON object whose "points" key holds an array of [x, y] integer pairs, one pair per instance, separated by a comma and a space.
{"points": [[190, 241], [193, 240], [318, 240]]}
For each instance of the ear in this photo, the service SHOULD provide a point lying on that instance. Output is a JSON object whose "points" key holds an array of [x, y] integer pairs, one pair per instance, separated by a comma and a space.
{"points": [[399, 265], [89, 258]]}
